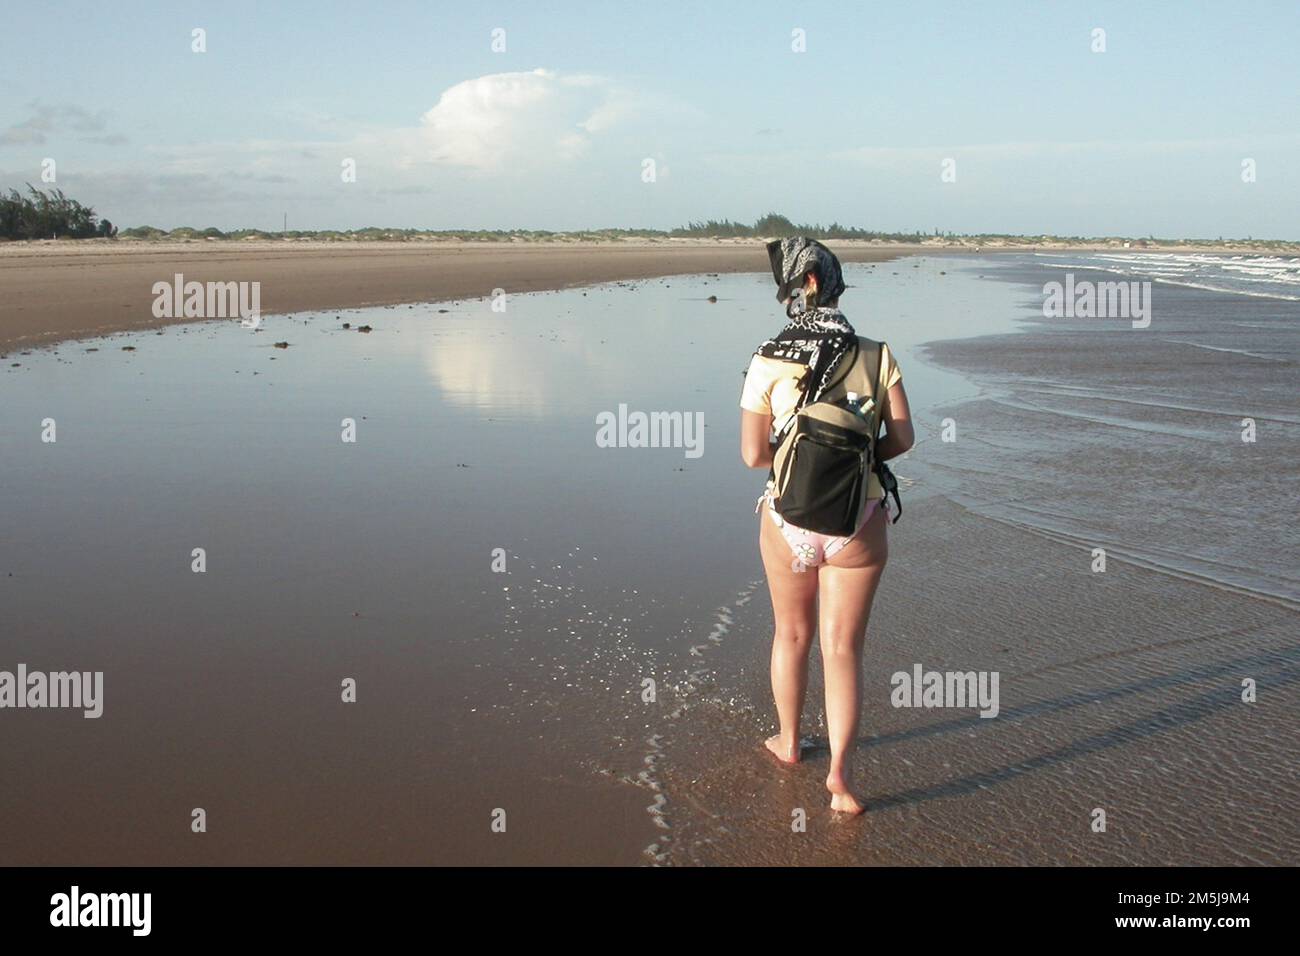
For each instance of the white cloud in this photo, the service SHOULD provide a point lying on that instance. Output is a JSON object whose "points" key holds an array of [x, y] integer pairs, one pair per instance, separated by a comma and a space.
{"points": [[479, 133], [501, 118]]}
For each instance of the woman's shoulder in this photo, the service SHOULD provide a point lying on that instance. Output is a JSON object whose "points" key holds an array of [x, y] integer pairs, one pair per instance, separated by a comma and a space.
{"points": [[892, 375], [867, 342]]}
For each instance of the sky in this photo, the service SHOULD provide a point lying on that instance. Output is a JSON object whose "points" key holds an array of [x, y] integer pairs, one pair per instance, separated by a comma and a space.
{"points": [[997, 116]]}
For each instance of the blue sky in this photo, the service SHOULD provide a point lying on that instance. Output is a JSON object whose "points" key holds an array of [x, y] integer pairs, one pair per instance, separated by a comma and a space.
{"points": [[1148, 137]]}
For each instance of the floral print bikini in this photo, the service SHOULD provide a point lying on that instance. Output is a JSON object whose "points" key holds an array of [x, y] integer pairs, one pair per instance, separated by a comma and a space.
{"points": [[810, 548]]}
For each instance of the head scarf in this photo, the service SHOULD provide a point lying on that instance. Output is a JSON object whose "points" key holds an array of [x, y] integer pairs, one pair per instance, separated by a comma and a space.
{"points": [[818, 337], [794, 258]]}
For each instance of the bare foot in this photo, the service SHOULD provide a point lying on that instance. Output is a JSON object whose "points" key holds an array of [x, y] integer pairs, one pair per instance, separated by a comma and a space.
{"points": [[783, 753], [841, 799]]}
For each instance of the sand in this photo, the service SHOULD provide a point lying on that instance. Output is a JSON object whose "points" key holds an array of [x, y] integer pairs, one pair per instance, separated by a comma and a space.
{"points": [[524, 690], [54, 291], [57, 291]]}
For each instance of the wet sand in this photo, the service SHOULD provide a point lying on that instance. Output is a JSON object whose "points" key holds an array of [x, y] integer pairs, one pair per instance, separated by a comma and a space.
{"points": [[57, 291], [1119, 691], [524, 689], [53, 291]]}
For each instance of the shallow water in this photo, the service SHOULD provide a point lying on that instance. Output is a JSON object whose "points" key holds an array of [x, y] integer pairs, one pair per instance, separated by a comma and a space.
{"points": [[1152, 422], [481, 687], [1127, 731], [1274, 277]]}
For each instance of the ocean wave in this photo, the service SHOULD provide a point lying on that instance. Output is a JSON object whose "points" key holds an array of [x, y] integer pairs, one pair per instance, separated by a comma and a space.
{"points": [[1210, 274]]}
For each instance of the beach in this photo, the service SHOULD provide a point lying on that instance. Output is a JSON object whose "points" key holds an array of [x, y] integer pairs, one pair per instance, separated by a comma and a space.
{"points": [[499, 586], [62, 290]]}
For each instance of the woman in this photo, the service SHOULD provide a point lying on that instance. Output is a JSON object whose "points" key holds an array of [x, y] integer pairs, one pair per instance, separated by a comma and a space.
{"points": [[818, 583]]}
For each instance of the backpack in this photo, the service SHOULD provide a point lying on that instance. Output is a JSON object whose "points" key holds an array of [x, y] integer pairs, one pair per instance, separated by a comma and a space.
{"points": [[826, 452]]}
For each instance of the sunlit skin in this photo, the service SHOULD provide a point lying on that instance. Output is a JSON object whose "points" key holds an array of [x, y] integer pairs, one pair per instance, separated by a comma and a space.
{"points": [[832, 600]]}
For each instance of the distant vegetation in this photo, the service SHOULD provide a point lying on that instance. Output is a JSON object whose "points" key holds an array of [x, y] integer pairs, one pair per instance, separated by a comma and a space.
{"points": [[51, 215], [38, 215], [774, 225], [771, 225]]}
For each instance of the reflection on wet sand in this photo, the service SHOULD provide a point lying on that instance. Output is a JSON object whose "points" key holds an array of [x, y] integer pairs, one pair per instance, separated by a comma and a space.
{"points": [[501, 587]]}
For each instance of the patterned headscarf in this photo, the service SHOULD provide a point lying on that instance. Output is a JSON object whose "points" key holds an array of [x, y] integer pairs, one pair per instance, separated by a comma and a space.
{"points": [[818, 337], [794, 258]]}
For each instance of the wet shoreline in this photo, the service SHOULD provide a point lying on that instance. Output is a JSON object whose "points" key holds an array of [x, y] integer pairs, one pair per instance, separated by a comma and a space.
{"points": [[524, 689]]}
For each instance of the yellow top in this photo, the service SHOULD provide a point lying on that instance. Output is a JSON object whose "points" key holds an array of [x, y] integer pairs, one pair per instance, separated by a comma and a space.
{"points": [[772, 388]]}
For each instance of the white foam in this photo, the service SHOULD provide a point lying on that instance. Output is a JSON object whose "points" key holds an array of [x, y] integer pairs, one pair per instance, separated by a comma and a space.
{"points": [[1211, 273]]}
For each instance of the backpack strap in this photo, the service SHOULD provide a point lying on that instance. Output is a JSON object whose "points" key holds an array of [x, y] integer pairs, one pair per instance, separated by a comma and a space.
{"points": [[846, 364], [875, 387], [887, 480]]}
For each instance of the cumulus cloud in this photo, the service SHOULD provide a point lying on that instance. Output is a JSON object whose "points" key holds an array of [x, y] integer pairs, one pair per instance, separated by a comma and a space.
{"points": [[500, 118], [476, 132]]}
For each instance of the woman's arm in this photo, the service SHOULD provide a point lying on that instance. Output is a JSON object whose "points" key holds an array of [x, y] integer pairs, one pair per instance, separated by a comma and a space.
{"points": [[756, 448], [898, 425]]}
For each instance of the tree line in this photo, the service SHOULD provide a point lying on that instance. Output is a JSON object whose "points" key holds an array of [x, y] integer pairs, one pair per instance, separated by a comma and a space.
{"points": [[775, 224], [52, 215]]}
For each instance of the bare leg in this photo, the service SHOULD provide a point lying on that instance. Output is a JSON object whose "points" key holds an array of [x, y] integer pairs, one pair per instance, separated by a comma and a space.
{"points": [[794, 606], [847, 588]]}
